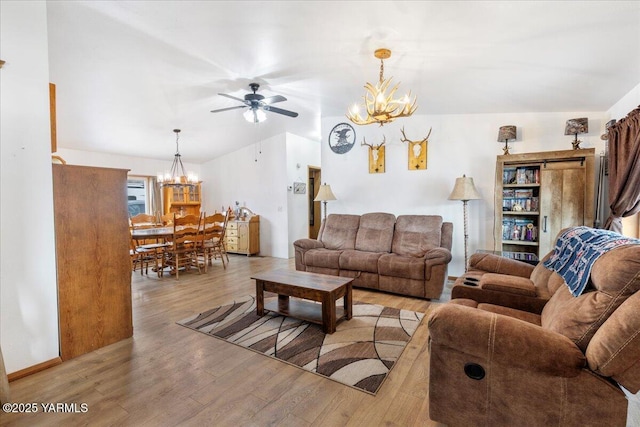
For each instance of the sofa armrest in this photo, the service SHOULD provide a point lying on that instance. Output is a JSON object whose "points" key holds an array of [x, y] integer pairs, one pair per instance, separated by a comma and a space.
{"points": [[437, 256], [507, 283], [493, 263], [433, 258], [504, 340], [306, 244]]}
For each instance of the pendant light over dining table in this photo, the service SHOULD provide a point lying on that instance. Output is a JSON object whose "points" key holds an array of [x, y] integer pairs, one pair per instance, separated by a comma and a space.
{"points": [[382, 107], [177, 177]]}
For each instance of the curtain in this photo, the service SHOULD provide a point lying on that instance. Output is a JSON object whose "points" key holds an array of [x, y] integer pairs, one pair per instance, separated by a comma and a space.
{"points": [[624, 170], [155, 202]]}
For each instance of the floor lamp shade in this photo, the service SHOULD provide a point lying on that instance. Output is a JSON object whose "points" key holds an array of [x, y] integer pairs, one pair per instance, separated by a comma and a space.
{"points": [[325, 194], [465, 190]]}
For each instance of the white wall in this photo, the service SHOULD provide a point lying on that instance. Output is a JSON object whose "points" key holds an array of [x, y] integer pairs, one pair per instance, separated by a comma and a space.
{"points": [[259, 177], [301, 153], [625, 105], [28, 296], [255, 176], [459, 144]]}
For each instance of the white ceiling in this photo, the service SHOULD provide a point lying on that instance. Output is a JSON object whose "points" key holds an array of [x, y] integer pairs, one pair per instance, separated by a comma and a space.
{"points": [[128, 72]]}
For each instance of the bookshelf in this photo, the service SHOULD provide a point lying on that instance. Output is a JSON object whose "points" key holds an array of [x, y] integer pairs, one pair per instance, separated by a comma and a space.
{"points": [[538, 194]]}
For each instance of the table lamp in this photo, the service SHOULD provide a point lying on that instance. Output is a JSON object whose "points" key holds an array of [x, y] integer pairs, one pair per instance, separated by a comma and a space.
{"points": [[506, 133], [574, 127], [324, 194], [465, 190]]}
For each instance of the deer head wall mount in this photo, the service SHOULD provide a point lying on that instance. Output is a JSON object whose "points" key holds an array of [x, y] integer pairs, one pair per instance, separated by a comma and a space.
{"points": [[376, 155], [417, 151]]}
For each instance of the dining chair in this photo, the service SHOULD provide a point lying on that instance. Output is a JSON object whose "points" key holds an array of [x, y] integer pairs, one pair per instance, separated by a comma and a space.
{"points": [[212, 239], [142, 220], [167, 219], [181, 253], [134, 255], [145, 251]]}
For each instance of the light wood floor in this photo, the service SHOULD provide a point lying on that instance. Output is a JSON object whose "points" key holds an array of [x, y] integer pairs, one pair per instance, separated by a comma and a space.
{"points": [[169, 375]]}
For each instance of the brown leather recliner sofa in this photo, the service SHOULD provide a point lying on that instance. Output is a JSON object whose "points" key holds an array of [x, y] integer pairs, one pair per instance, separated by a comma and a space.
{"points": [[407, 255], [495, 365]]}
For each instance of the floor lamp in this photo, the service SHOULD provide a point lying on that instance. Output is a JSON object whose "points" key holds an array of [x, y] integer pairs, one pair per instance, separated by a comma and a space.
{"points": [[465, 190], [324, 194]]}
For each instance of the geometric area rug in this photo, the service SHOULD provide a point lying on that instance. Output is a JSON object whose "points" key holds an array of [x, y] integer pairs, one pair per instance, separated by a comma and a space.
{"points": [[360, 353]]}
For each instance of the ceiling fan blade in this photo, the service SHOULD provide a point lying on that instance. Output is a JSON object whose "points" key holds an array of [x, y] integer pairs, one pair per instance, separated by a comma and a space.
{"points": [[280, 111], [233, 97], [228, 108], [273, 99]]}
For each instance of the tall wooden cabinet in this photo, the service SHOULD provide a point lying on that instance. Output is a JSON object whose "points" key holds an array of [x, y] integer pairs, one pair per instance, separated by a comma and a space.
{"points": [[92, 254], [183, 200], [538, 194]]}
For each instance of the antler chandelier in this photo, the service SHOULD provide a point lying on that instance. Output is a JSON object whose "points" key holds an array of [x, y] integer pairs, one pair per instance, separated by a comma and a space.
{"points": [[382, 107], [177, 176]]}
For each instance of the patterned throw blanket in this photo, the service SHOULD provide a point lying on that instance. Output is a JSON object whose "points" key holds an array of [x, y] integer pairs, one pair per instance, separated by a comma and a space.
{"points": [[577, 249]]}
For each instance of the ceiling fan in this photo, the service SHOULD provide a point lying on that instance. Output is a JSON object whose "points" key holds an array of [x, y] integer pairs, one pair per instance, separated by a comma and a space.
{"points": [[257, 104]]}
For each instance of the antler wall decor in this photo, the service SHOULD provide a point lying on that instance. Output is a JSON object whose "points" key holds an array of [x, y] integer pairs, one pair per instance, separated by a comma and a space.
{"points": [[376, 155], [417, 151]]}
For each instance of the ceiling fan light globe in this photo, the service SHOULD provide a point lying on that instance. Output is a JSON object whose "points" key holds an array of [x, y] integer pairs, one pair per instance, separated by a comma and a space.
{"points": [[255, 115]]}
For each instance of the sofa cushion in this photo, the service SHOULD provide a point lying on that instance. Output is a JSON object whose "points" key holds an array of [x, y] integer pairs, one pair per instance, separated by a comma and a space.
{"points": [[614, 277], [401, 266], [339, 231], [325, 258], [414, 235], [375, 233], [359, 261]]}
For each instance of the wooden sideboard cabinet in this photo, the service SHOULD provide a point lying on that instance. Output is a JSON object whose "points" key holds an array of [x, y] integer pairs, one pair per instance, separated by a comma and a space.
{"points": [[92, 257], [182, 200], [243, 236]]}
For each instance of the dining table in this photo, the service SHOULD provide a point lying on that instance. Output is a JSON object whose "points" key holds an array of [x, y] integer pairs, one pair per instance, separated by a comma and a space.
{"points": [[152, 233]]}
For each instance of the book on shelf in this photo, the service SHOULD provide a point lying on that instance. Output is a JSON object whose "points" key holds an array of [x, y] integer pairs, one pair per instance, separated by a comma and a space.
{"points": [[519, 204], [509, 176], [522, 175], [522, 193], [519, 229]]}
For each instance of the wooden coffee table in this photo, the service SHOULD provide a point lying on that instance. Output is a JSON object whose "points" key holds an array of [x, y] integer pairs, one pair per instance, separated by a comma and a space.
{"points": [[305, 286]]}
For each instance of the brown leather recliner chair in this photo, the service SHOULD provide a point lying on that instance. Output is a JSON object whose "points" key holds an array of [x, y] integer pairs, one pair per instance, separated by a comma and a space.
{"points": [[499, 366], [510, 283]]}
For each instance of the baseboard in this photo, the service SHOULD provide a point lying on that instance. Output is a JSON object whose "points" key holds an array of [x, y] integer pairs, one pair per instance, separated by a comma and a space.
{"points": [[33, 369]]}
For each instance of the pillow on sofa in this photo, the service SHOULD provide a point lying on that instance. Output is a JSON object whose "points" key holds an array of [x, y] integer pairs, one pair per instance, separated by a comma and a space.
{"points": [[339, 231], [415, 235]]}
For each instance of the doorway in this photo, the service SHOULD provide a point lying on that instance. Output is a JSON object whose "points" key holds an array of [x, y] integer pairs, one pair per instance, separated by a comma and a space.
{"points": [[315, 217]]}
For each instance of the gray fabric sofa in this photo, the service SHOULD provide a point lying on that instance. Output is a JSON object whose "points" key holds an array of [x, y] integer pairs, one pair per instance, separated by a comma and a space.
{"points": [[406, 255]]}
